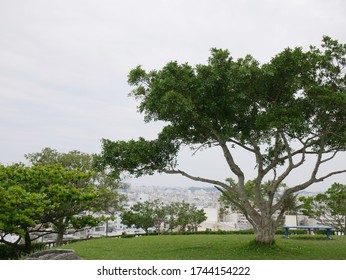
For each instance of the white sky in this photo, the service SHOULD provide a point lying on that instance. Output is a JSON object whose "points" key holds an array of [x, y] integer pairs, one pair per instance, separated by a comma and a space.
{"points": [[64, 64]]}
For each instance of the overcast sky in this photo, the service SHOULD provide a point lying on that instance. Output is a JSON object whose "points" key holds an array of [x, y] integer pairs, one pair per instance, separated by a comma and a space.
{"points": [[64, 64]]}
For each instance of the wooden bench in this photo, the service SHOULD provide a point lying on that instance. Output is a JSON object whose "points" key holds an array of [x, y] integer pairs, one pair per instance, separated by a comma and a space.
{"points": [[327, 228]]}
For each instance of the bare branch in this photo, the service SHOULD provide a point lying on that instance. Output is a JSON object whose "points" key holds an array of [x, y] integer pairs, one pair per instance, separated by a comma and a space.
{"points": [[242, 145], [330, 158], [290, 155], [202, 146], [304, 185], [319, 158], [329, 175], [259, 159], [199, 179]]}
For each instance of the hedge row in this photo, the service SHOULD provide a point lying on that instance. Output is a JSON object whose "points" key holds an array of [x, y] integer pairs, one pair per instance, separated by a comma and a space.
{"points": [[11, 253]]}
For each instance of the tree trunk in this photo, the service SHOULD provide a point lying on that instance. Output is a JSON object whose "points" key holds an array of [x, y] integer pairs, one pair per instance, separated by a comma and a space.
{"points": [[60, 226], [60, 231], [27, 240], [265, 231], [59, 238]]}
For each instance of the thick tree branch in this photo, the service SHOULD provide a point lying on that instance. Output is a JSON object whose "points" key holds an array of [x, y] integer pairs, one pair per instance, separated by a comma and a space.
{"points": [[223, 187], [259, 159], [3, 240], [226, 193], [309, 142], [14, 244], [229, 158], [303, 186], [291, 165], [249, 212]]}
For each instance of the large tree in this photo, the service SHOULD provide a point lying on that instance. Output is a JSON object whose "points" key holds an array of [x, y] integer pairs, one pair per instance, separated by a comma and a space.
{"points": [[285, 112]]}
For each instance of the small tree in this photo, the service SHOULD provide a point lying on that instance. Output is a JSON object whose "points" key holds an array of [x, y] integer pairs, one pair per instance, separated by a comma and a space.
{"points": [[141, 215], [163, 217], [185, 217], [197, 217], [106, 183], [159, 216], [329, 207], [107, 200], [39, 196]]}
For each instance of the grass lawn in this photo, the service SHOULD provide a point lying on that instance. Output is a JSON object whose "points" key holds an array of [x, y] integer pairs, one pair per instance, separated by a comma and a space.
{"points": [[210, 247]]}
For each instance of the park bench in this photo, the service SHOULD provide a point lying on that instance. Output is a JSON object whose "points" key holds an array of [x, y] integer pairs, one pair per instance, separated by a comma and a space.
{"points": [[309, 228]]}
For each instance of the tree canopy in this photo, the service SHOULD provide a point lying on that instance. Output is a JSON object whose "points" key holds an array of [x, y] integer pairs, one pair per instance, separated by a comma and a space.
{"points": [[34, 198], [282, 112], [106, 183], [54, 193]]}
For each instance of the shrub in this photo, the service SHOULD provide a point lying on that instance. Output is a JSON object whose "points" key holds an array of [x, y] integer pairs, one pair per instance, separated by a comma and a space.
{"points": [[14, 253]]}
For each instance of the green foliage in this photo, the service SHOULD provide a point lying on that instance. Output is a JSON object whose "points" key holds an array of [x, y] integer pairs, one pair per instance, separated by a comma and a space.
{"points": [[244, 100], [139, 157], [106, 183], [328, 207], [38, 195], [74, 160], [11, 253], [19, 208], [141, 215], [184, 216], [176, 215]]}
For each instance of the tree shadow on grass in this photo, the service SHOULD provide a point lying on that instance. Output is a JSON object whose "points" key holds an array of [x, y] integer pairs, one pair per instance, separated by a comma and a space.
{"points": [[260, 251]]}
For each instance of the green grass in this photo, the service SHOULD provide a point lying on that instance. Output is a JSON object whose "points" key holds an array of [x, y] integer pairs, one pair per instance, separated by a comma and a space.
{"points": [[210, 247]]}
